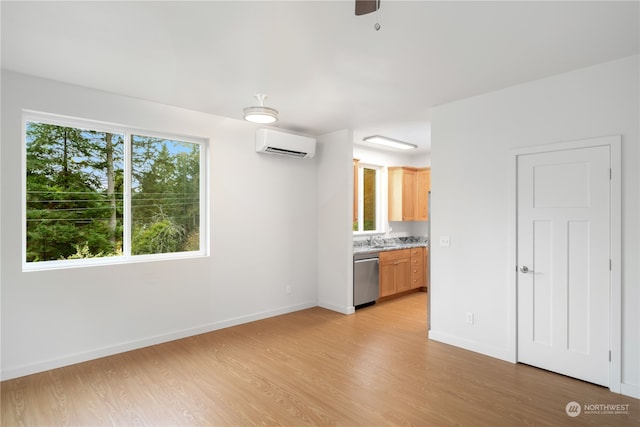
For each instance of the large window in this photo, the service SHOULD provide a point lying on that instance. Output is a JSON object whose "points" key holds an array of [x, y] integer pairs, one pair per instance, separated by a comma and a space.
{"points": [[96, 193], [368, 218]]}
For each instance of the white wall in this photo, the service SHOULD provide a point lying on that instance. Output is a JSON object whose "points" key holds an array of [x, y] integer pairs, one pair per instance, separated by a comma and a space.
{"points": [[334, 234], [471, 140], [262, 207]]}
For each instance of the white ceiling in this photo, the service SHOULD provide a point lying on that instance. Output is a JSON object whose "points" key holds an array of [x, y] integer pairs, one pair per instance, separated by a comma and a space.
{"points": [[322, 67]]}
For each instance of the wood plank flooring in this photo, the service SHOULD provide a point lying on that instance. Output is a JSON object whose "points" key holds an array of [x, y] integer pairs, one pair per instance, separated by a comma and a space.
{"points": [[313, 367]]}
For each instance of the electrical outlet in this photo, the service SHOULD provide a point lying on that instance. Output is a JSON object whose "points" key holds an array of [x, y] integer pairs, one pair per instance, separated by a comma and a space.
{"points": [[287, 290], [470, 318], [444, 241]]}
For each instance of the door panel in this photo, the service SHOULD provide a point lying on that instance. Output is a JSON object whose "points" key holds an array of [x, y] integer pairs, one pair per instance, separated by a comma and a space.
{"points": [[578, 286], [564, 241], [387, 278], [542, 287], [561, 185], [403, 275]]}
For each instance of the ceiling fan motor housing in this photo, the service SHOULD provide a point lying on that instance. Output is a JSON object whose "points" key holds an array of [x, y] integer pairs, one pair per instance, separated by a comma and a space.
{"points": [[366, 6]]}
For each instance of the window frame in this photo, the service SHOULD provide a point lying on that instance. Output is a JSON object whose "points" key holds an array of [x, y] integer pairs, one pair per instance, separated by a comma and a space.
{"points": [[127, 132], [360, 197]]}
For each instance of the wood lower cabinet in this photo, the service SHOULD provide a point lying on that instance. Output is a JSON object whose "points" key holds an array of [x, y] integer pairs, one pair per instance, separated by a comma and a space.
{"points": [[395, 271], [402, 271], [403, 275], [418, 268]]}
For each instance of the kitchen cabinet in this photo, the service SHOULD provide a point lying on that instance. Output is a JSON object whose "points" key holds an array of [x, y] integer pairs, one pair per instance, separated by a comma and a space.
{"points": [[418, 268], [407, 193], [395, 271], [423, 183], [402, 271]]}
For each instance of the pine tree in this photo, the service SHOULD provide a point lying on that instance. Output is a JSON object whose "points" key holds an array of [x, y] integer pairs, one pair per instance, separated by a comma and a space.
{"points": [[66, 202]]}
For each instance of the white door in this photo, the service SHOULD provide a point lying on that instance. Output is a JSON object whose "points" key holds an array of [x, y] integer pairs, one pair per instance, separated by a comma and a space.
{"points": [[563, 204]]}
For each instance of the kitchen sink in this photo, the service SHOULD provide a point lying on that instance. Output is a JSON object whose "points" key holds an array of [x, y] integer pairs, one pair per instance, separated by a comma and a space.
{"points": [[380, 243], [386, 246]]}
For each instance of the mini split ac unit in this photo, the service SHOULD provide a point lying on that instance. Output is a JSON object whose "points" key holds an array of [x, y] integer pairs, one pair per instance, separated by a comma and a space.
{"points": [[270, 141]]}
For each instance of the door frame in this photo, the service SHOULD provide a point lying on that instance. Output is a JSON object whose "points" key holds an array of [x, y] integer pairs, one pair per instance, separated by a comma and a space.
{"points": [[614, 142]]}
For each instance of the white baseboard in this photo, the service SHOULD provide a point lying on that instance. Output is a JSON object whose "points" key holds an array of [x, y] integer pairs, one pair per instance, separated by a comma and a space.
{"points": [[630, 390], [477, 347], [339, 309], [33, 368]]}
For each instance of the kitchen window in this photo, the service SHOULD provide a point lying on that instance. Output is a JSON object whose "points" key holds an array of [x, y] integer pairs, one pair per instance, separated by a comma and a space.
{"points": [[368, 217], [102, 194]]}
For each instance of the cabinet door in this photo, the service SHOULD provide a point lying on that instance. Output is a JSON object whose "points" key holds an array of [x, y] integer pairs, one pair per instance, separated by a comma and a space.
{"points": [[401, 193], [403, 275], [394, 194], [423, 188], [409, 195], [387, 278]]}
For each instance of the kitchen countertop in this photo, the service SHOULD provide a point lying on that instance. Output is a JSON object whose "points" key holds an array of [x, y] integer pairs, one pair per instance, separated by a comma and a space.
{"points": [[383, 245]]}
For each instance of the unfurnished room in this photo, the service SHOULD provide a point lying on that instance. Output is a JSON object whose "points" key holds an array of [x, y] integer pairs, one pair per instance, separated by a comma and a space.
{"points": [[346, 212]]}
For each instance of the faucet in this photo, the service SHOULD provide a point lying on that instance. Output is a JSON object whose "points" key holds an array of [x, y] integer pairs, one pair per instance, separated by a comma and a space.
{"points": [[375, 241]]}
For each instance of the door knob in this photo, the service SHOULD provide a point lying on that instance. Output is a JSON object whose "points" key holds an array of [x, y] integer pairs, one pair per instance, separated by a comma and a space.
{"points": [[525, 269]]}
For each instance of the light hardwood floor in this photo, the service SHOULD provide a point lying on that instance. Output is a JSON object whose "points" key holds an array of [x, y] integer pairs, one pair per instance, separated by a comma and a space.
{"points": [[313, 367]]}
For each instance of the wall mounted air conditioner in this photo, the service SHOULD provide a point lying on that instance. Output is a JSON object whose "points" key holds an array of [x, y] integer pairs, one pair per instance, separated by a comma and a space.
{"points": [[270, 141]]}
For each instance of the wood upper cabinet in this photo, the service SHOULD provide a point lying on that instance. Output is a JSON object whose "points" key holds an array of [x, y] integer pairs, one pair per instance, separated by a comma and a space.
{"points": [[395, 271], [408, 192], [423, 183]]}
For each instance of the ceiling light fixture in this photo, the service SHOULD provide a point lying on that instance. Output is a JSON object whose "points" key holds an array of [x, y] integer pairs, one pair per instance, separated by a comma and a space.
{"points": [[261, 114], [388, 142]]}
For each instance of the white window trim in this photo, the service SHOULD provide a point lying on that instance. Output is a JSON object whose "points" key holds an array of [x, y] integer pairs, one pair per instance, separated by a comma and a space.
{"points": [[127, 131], [379, 199]]}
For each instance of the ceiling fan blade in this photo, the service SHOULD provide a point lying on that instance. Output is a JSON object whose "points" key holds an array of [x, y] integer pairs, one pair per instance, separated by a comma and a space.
{"points": [[366, 6]]}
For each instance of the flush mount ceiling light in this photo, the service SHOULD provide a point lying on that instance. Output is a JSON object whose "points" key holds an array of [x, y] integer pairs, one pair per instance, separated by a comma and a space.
{"points": [[388, 142], [261, 114]]}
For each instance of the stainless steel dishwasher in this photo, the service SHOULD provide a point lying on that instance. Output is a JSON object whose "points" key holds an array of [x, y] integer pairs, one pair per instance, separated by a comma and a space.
{"points": [[365, 279]]}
